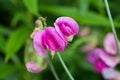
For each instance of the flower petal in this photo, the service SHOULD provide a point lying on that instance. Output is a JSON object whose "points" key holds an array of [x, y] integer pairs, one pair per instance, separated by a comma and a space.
{"points": [[109, 44], [67, 26], [60, 33], [53, 39], [100, 65], [109, 60], [101, 59], [38, 42], [110, 74], [93, 56]]}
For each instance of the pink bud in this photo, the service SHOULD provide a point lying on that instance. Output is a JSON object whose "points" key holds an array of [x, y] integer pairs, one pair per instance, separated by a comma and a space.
{"points": [[33, 67], [109, 44], [66, 26]]}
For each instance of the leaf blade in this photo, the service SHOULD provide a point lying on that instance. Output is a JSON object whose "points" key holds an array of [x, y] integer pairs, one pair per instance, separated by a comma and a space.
{"points": [[16, 41]]}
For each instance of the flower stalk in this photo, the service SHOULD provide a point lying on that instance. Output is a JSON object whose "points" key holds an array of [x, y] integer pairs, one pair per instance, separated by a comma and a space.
{"points": [[112, 24], [52, 68], [65, 67]]}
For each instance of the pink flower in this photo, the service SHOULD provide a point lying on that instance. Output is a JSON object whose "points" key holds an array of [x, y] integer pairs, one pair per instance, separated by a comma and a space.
{"points": [[33, 67], [109, 44], [47, 40], [66, 27], [100, 59]]}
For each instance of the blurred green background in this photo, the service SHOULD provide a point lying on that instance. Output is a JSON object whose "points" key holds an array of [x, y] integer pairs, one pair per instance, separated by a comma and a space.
{"points": [[17, 19]]}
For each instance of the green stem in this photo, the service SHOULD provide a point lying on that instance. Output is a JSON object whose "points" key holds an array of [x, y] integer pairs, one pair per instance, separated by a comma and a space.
{"points": [[52, 68], [65, 67], [112, 24]]}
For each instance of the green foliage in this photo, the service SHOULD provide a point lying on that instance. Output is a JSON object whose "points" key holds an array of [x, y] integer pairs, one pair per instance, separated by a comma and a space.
{"points": [[4, 30], [2, 44], [19, 16], [6, 69], [18, 20], [83, 6], [16, 41], [32, 6], [90, 18]]}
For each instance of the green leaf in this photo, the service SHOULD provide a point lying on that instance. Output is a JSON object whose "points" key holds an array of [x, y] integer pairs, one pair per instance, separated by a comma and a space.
{"points": [[4, 30], [2, 44], [17, 17], [83, 6], [99, 5], [91, 18], [6, 69], [32, 6], [16, 41]]}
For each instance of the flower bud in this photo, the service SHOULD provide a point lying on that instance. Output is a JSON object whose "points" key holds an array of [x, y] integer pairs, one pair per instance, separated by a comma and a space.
{"points": [[33, 67], [38, 24], [34, 63]]}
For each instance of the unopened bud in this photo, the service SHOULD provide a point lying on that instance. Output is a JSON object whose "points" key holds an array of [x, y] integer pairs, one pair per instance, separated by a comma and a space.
{"points": [[38, 24], [34, 62], [33, 67]]}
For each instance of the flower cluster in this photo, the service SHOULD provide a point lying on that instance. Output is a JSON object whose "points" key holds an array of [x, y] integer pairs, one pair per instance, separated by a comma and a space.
{"points": [[50, 39], [106, 58], [54, 39]]}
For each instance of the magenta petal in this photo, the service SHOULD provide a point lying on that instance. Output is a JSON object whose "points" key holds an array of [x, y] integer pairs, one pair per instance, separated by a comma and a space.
{"points": [[98, 53], [109, 60], [93, 56], [109, 44], [60, 33], [33, 67], [53, 39], [100, 65], [38, 42], [67, 26]]}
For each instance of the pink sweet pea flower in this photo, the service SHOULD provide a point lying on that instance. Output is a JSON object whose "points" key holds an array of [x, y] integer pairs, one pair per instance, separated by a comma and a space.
{"points": [[33, 67], [109, 44], [48, 40], [66, 27], [100, 59]]}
